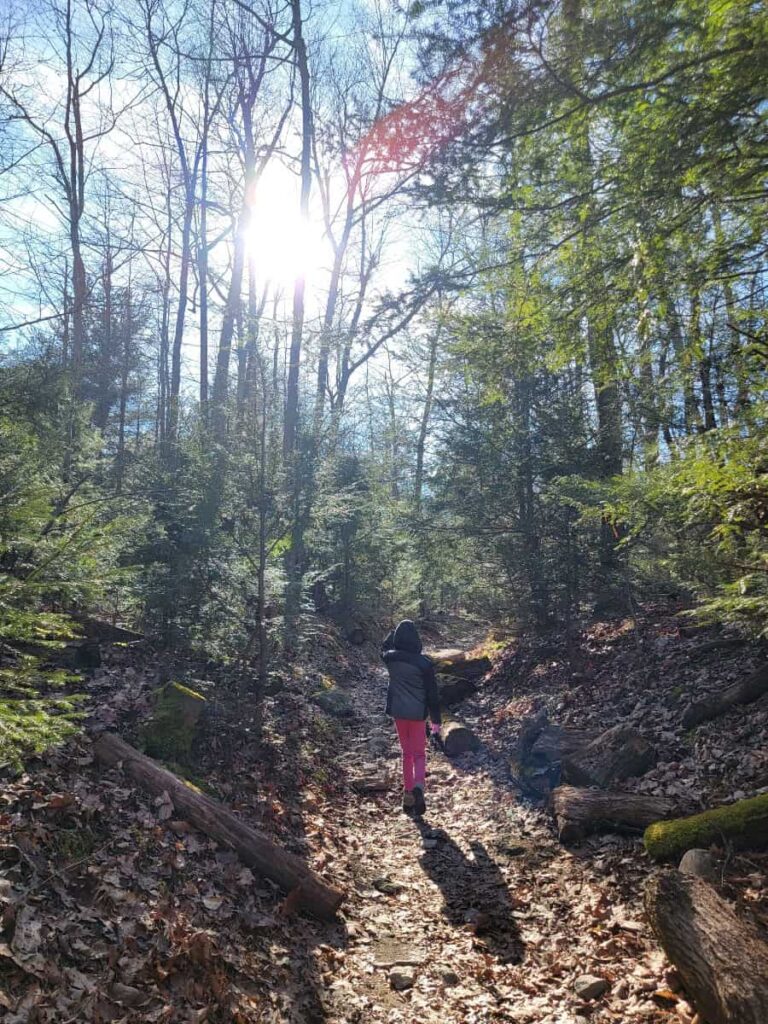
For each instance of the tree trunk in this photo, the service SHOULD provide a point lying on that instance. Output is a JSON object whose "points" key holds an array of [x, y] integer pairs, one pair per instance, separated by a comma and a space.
{"points": [[578, 812], [211, 817], [202, 271], [418, 481], [127, 330], [181, 312], [691, 413], [745, 692], [722, 960], [297, 329], [231, 311]]}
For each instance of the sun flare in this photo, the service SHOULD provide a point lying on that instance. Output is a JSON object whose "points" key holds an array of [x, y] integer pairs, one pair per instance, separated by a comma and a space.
{"points": [[283, 245]]}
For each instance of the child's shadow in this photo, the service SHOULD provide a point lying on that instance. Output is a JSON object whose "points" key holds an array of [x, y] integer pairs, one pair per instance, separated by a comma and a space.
{"points": [[475, 895]]}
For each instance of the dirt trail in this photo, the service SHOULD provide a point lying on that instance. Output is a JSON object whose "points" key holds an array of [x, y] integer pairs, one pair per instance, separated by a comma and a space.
{"points": [[477, 909]]}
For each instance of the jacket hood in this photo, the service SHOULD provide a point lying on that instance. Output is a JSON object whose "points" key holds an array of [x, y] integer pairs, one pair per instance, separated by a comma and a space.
{"points": [[407, 637]]}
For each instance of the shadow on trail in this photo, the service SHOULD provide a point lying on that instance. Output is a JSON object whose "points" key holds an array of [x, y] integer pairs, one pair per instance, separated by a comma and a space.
{"points": [[266, 770], [532, 786], [475, 894]]}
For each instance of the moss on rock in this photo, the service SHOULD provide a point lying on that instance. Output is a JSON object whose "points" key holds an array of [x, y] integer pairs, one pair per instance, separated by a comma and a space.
{"points": [[333, 701], [744, 824], [169, 733]]}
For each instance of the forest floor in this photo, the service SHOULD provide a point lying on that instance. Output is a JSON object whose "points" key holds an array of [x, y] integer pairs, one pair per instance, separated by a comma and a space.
{"points": [[114, 911]]}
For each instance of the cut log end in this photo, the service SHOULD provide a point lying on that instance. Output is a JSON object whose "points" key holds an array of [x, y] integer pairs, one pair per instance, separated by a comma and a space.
{"points": [[458, 739]]}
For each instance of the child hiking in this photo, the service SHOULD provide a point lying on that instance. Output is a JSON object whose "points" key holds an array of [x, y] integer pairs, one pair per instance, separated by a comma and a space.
{"points": [[412, 693]]}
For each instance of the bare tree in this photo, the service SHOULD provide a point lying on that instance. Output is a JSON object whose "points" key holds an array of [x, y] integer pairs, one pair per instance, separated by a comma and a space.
{"points": [[84, 49]]}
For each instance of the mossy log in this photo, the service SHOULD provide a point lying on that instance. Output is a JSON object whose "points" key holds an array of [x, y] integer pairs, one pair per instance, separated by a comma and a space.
{"points": [[170, 731], [743, 824], [722, 960], [578, 812], [458, 738], [253, 847], [461, 663], [745, 692]]}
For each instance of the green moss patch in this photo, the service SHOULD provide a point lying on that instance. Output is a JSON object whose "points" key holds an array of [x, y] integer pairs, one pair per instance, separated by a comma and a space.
{"points": [[169, 733], [334, 702], [744, 824]]}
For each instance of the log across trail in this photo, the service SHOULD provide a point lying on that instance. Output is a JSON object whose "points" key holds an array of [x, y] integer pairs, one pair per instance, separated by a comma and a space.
{"points": [[581, 811], [253, 847]]}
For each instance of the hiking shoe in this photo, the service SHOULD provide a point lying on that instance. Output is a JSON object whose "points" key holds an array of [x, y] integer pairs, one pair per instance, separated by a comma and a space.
{"points": [[419, 803], [409, 801]]}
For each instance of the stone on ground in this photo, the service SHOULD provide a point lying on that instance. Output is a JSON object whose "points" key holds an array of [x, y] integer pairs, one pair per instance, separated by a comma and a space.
{"points": [[701, 863], [589, 986], [402, 978]]}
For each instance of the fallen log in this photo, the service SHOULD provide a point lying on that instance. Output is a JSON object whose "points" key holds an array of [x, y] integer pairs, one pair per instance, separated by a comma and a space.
{"points": [[617, 754], [458, 738], [105, 632], [554, 743], [211, 817], [743, 824], [578, 812], [460, 663], [746, 692], [724, 644], [722, 960], [453, 689]]}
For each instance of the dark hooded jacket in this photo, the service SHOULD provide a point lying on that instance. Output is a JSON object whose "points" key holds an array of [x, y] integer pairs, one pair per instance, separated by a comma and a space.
{"points": [[412, 688]]}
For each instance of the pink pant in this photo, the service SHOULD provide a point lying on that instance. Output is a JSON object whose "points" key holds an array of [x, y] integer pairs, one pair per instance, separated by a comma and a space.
{"points": [[413, 741]]}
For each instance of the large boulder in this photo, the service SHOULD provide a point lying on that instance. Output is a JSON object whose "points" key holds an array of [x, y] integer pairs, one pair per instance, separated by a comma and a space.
{"points": [[334, 701], [170, 731]]}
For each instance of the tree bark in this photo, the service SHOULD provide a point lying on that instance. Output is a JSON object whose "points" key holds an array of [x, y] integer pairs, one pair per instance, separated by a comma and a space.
{"points": [[458, 738], [578, 812], [418, 481], [211, 817], [722, 960], [453, 689], [297, 329], [746, 692], [618, 753]]}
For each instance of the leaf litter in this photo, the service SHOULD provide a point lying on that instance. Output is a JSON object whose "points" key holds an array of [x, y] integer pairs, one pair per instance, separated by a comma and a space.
{"points": [[113, 910]]}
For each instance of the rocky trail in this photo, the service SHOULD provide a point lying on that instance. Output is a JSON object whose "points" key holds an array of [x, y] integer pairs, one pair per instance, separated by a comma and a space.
{"points": [[113, 909], [477, 913]]}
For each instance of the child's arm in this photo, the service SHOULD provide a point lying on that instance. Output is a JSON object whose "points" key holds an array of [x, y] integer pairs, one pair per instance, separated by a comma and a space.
{"points": [[433, 697]]}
